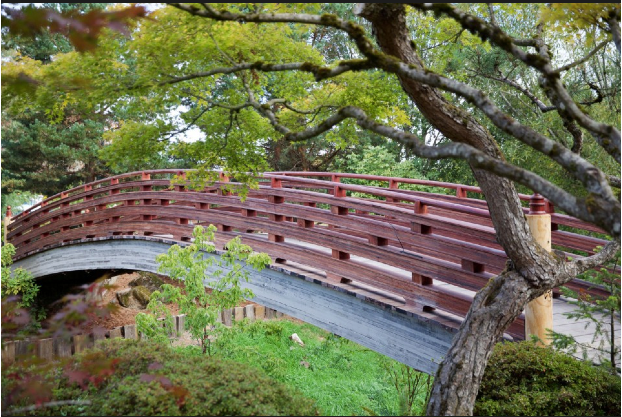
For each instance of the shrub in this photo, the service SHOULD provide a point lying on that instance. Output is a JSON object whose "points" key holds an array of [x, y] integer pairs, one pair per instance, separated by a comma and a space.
{"points": [[524, 379], [151, 379]]}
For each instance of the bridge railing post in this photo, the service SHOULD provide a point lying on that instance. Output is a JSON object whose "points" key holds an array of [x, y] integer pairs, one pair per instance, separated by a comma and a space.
{"points": [[275, 199], [420, 228], [88, 188], [338, 192], [539, 312], [222, 178], [6, 223], [179, 187], [145, 176], [307, 224], [461, 192], [393, 185], [114, 181]]}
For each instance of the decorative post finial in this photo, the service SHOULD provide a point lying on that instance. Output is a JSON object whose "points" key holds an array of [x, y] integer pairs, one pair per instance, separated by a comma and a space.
{"points": [[537, 204], [8, 211]]}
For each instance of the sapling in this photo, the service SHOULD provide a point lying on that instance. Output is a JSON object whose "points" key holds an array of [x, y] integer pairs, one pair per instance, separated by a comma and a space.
{"points": [[197, 269]]}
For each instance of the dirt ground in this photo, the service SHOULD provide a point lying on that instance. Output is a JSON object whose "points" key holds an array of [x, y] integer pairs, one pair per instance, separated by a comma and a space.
{"points": [[122, 316]]}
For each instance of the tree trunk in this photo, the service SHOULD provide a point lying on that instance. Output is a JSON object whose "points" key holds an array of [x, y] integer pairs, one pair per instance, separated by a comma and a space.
{"points": [[531, 270]]}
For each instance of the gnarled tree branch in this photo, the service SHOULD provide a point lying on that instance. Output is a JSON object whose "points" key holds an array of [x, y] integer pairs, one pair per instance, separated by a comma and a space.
{"points": [[550, 77]]}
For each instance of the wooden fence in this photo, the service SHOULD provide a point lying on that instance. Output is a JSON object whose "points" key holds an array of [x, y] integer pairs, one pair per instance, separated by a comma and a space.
{"points": [[59, 347]]}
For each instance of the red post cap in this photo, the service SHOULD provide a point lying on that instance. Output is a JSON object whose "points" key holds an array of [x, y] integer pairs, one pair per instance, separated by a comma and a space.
{"points": [[537, 204], [8, 211]]}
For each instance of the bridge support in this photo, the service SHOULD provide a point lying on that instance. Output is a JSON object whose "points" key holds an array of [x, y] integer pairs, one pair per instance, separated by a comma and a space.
{"points": [[539, 312], [413, 339]]}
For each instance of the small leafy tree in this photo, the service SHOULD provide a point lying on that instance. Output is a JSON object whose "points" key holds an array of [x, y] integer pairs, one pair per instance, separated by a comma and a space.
{"points": [[603, 313], [201, 307]]}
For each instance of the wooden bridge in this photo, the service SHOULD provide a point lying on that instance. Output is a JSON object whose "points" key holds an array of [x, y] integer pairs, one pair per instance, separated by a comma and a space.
{"points": [[388, 266]]}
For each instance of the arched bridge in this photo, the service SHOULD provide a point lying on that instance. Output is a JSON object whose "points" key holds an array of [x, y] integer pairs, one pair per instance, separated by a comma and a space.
{"points": [[392, 264]]}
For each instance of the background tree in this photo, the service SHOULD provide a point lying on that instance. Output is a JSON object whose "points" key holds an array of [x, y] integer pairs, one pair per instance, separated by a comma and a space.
{"points": [[497, 87], [44, 152], [48, 149]]}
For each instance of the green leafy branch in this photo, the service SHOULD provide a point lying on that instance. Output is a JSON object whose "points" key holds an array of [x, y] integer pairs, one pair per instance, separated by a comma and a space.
{"points": [[197, 269]]}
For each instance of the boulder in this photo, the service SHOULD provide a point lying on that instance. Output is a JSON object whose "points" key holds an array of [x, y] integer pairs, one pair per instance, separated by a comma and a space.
{"points": [[137, 297], [142, 294], [150, 281], [125, 299]]}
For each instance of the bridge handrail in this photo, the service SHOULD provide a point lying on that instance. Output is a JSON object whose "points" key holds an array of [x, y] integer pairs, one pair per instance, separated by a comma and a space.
{"points": [[88, 190], [394, 182], [461, 190], [389, 193], [403, 229]]}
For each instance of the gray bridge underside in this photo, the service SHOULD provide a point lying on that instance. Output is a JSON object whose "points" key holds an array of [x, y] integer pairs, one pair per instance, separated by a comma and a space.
{"points": [[410, 339]]}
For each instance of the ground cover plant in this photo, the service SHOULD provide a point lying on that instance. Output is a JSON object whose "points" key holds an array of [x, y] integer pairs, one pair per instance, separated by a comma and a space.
{"points": [[343, 377], [130, 377]]}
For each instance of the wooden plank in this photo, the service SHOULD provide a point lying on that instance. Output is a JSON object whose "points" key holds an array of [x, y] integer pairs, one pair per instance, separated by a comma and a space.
{"points": [[129, 331], [8, 351], [238, 313], [249, 311], [81, 342], [116, 333], [180, 324], [45, 348], [226, 317], [63, 347], [260, 312]]}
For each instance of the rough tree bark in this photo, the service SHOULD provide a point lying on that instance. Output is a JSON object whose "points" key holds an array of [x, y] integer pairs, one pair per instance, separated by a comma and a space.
{"points": [[531, 272]]}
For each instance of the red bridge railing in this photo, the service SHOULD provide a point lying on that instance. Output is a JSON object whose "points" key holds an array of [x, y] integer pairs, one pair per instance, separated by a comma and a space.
{"points": [[404, 242]]}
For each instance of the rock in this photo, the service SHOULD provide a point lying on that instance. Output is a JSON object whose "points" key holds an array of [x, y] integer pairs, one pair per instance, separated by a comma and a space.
{"points": [[125, 298], [111, 280], [148, 280], [305, 364], [142, 294], [137, 297], [296, 339]]}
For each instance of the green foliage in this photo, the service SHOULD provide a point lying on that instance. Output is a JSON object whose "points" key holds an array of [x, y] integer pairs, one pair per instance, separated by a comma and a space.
{"points": [[44, 45], [413, 387], [15, 200], [522, 379], [18, 281], [343, 377], [127, 377], [46, 158], [82, 30], [383, 161], [47, 149], [603, 314], [197, 269]]}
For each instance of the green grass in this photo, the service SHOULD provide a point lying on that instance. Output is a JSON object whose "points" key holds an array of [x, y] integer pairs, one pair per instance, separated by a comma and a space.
{"points": [[343, 377]]}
